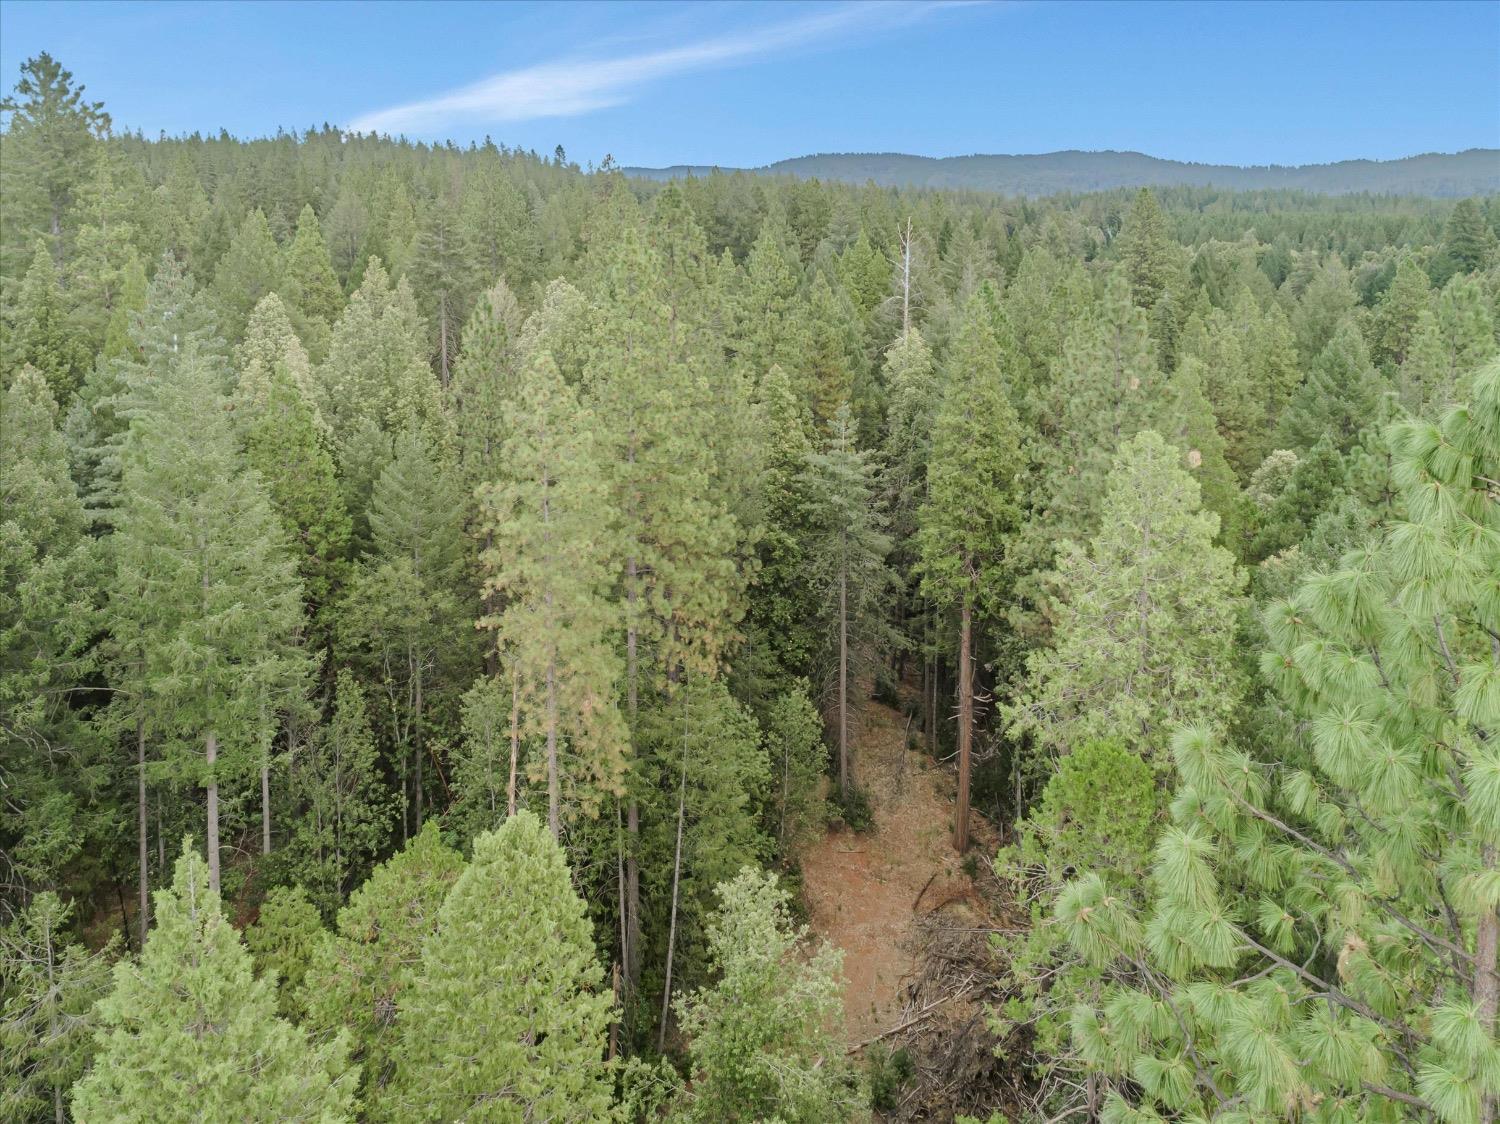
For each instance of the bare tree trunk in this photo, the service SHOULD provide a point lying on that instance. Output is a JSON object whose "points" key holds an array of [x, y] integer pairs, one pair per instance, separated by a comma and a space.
{"points": [[211, 756], [965, 727], [844, 680], [143, 922], [666, 992], [515, 739]]}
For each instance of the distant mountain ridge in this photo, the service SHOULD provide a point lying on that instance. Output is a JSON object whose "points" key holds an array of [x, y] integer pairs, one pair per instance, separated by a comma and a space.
{"points": [[1475, 171]]}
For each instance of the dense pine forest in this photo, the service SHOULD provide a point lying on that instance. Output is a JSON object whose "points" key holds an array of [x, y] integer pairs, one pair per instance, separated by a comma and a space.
{"points": [[443, 591]]}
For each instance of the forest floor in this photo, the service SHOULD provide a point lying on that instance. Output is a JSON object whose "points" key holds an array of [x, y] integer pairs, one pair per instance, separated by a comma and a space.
{"points": [[912, 923]]}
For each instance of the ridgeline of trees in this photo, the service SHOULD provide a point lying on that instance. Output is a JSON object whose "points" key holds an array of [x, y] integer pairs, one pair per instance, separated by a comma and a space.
{"points": [[438, 586]]}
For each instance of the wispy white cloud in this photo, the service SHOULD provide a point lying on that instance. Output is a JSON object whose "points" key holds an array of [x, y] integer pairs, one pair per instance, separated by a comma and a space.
{"points": [[569, 87]]}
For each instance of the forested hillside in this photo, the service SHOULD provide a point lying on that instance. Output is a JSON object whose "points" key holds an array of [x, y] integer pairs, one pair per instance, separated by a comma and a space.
{"points": [[439, 589], [1449, 175]]}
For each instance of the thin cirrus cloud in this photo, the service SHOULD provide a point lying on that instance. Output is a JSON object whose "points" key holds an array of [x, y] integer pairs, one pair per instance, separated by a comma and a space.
{"points": [[567, 88]]}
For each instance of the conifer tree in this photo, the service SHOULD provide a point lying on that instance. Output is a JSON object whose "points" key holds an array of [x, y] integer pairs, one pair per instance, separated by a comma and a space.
{"points": [[1108, 388], [44, 335], [281, 943], [406, 609], [1323, 927], [1147, 250], [487, 760], [1146, 620], [51, 582], [206, 586], [362, 979], [249, 270], [176, 319], [289, 450], [782, 608], [847, 553], [1342, 393], [188, 1033], [344, 812], [1468, 240], [972, 507], [761, 1037], [1400, 311], [675, 536], [376, 369], [1449, 342], [530, 999], [441, 268], [48, 988], [548, 520], [270, 343], [50, 145], [308, 282]]}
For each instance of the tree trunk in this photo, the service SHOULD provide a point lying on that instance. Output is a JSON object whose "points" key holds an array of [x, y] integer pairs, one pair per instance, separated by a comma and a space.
{"points": [[515, 739], [417, 772], [844, 681], [265, 807], [211, 756], [143, 922], [554, 783], [631, 904], [965, 727], [1487, 975], [666, 992]]}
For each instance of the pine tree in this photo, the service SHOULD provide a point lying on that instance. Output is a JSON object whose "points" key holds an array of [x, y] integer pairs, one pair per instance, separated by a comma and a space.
{"points": [[376, 368], [762, 1047], [548, 521], [707, 774], [1468, 240], [188, 1033], [404, 618], [175, 319], [50, 145], [249, 270], [847, 564], [1323, 925], [442, 270], [1146, 620], [532, 998], [1147, 250], [487, 761], [308, 282], [51, 585], [44, 335], [972, 507], [1400, 311], [363, 978], [270, 343], [782, 608], [344, 812], [289, 450], [205, 586], [48, 988], [1108, 388], [798, 756], [281, 943], [1449, 342], [1343, 391]]}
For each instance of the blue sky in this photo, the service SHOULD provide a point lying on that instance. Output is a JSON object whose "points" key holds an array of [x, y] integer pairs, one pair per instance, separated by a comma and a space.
{"points": [[745, 84]]}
